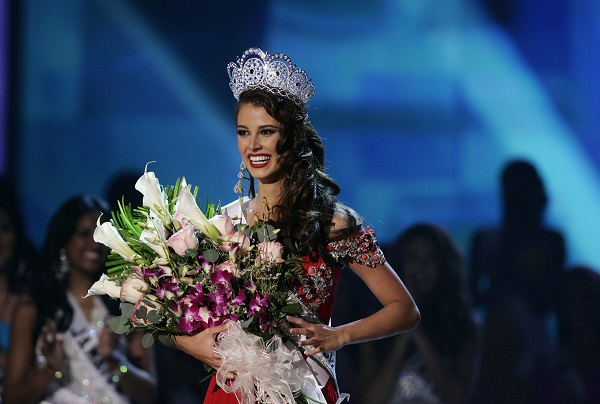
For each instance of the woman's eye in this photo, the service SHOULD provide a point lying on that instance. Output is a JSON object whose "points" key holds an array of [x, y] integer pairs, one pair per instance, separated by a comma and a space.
{"points": [[242, 133]]}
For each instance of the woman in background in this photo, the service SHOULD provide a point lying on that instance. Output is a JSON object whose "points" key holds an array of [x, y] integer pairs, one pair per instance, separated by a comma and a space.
{"points": [[434, 363], [17, 260], [62, 351]]}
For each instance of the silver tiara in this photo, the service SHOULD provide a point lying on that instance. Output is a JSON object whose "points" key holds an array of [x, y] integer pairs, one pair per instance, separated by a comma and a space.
{"points": [[275, 73]]}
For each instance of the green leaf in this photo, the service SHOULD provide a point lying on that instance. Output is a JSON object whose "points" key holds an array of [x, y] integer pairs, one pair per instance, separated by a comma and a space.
{"points": [[142, 312], [292, 308], [153, 317], [119, 325], [210, 255], [147, 340], [127, 309], [166, 340]]}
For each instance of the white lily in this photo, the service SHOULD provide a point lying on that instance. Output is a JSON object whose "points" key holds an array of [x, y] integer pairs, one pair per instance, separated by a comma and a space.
{"points": [[154, 197], [187, 207], [154, 236], [104, 286], [108, 235]]}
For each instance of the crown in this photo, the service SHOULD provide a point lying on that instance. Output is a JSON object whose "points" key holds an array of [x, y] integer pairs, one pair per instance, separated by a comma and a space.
{"points": [[274, 73]]}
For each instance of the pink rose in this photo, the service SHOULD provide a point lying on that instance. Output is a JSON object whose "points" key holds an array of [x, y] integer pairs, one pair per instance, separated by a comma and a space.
{"points": [[183, 239], [133, 289], [224, 224], [270, 251]]}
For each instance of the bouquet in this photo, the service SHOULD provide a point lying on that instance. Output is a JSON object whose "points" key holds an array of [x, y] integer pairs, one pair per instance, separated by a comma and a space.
{"points": [[178, 270]]}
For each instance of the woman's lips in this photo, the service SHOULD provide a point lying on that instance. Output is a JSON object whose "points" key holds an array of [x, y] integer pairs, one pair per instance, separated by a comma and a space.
{"points": [[259, 160]]}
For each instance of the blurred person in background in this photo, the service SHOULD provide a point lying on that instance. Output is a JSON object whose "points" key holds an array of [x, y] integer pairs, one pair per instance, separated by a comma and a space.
{"points": [[17, 260], [61, 348], [436, 362], [514, 272]]}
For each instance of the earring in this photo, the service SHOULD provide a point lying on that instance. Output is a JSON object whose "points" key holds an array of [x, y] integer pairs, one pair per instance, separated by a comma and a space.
{"points": [[63, 267], [239, 186]]}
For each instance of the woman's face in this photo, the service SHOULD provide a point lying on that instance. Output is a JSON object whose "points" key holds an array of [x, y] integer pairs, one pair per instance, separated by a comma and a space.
{"points": [[7, 238], [258, 134], [83, 253], [421, 264]]}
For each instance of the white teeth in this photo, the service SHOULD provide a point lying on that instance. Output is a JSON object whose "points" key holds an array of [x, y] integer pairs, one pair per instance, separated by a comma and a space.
{"points": [[91, 255], [259, 159]]}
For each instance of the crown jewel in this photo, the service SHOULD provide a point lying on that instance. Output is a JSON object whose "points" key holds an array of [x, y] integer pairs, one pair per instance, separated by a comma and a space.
{"points": [[275, 73]]}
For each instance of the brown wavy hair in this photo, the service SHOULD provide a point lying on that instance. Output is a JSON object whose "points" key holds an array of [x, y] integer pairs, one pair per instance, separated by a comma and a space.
{"points": [[308, 202]]}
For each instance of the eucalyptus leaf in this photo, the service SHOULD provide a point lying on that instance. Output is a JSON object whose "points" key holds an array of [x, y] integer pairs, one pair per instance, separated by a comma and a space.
{"points": [[292, 308], [127, 309], [166, 340], [147, 340], [210, 255], [153, 317], [142, 312], [119, 325]]}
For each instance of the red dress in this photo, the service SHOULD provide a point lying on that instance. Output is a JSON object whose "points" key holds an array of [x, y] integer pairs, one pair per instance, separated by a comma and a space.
{"points": [[318, 290]]}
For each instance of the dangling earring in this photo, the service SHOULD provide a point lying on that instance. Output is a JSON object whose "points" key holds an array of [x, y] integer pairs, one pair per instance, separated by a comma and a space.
{"points": [[239, 186], [63, 267]]}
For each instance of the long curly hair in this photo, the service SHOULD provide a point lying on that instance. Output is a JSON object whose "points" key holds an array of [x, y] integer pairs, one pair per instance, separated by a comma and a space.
{"points": [[308, 202]]}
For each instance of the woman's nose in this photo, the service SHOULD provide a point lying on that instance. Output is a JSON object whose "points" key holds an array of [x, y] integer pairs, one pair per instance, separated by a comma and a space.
{"points": [[254, 142]]}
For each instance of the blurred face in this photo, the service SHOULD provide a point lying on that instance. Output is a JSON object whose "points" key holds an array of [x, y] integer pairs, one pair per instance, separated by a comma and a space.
{"points": [[83, 253], [7, 238], [258, 134], [421, 265]]}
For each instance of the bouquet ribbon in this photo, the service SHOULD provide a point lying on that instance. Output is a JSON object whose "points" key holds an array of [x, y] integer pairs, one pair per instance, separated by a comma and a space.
{"points": [[265, 371]]}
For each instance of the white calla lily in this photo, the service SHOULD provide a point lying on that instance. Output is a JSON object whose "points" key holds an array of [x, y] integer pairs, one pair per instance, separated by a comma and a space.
{"points": [[154, 236], [104, 286], [154, 197], [187, 207], [108, 235]]}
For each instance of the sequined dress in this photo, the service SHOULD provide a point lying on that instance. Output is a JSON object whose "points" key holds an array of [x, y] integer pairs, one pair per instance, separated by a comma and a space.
{"points": [[318, 290]]}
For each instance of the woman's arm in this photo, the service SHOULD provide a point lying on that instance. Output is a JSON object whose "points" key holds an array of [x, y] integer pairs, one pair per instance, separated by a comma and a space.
{"points": [[22, 382], [399, 313]]}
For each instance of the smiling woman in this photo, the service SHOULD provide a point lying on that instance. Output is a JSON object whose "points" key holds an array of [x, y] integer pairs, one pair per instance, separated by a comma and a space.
{"points": [[61, 335], [283, 154]]}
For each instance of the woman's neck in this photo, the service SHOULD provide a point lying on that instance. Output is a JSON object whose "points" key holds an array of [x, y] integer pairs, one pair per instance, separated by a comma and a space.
{"points": [[268, 196]]}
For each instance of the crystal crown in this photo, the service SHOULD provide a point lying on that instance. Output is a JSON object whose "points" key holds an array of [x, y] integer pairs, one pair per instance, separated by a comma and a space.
{"points": [[275, 73]]}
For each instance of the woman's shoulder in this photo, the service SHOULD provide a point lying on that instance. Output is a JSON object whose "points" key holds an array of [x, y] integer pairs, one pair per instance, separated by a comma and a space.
{"points": [[345, 223]]}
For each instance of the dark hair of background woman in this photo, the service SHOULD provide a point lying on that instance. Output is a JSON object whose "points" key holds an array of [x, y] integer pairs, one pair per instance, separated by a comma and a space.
{"points": [[51, 290], [446, 316]]}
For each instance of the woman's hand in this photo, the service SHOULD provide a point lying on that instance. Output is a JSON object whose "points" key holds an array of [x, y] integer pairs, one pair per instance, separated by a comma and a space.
{"points": [[319, 337], [51, 346], [202, 345], [107, 341]]}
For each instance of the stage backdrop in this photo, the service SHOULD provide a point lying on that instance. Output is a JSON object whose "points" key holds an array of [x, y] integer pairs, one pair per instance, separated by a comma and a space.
{"points": [[420, 103]]}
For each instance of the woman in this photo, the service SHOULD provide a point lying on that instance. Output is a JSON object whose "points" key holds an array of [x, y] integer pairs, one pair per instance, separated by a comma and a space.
{"points": [[284, 154], [61, 350], [434, 363], [17, 259]]}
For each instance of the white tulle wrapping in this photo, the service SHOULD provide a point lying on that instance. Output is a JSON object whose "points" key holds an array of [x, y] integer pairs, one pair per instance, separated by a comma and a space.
{"points": [[265, 372]]}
